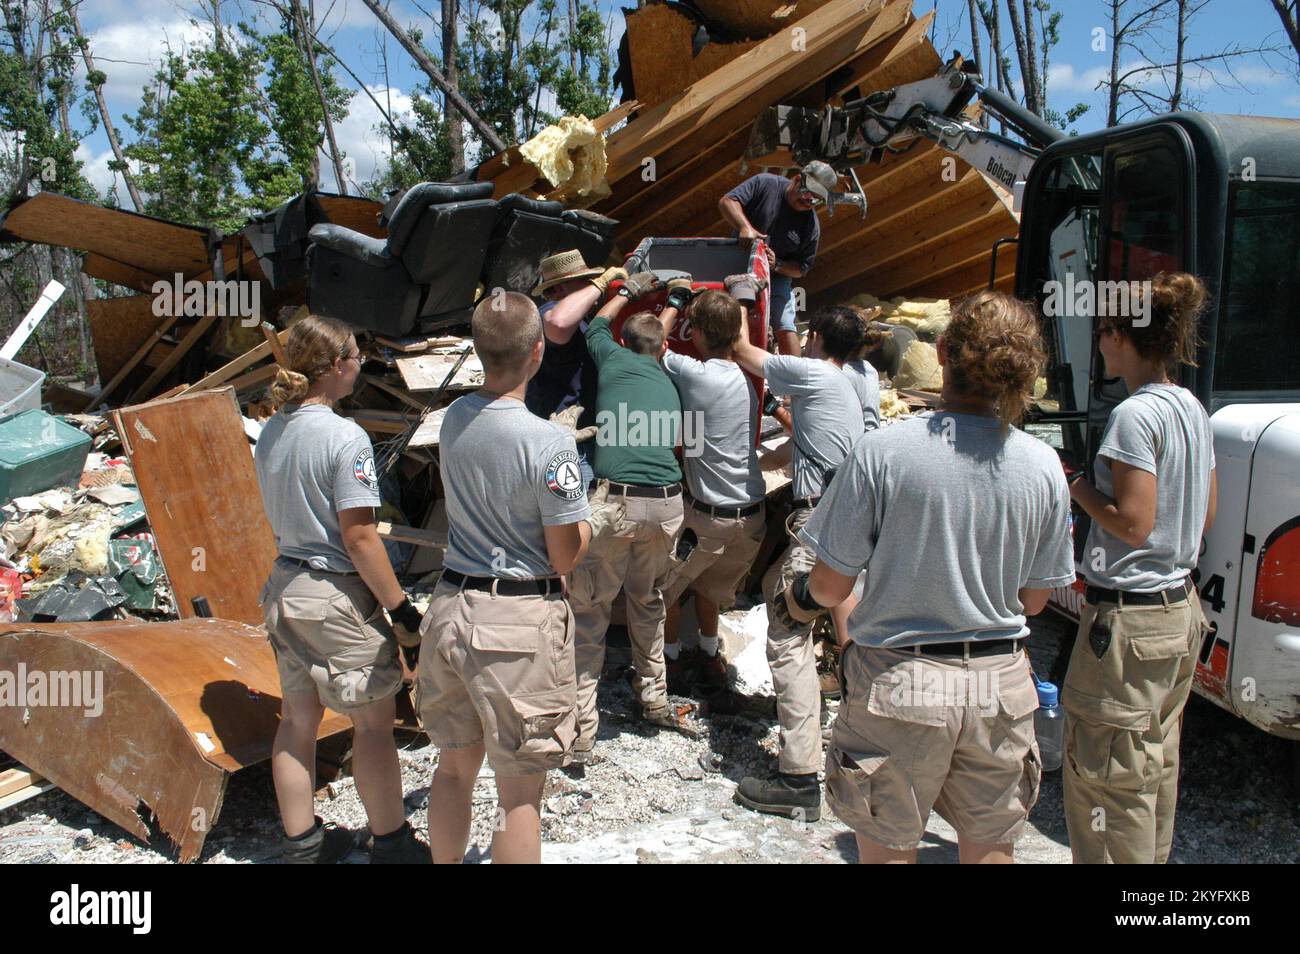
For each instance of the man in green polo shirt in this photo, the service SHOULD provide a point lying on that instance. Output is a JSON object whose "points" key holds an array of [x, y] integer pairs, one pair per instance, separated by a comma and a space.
{"points": [[638, 497]]}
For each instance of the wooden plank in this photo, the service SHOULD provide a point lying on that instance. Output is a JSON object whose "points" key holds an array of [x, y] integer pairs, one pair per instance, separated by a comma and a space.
{"points": [[11, 780], [659, 41], [729, 98], [757, 18], [252, 379], [228, 371], [426, 372], [192, 337], [119, 273], [404, 534], [273, 342], [191, 461], [119, 327], [23, 794], [391, 391]]}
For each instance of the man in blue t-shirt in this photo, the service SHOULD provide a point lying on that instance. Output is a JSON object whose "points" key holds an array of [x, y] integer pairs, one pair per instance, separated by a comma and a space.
{"points": [[782, 212], [567, 378]]}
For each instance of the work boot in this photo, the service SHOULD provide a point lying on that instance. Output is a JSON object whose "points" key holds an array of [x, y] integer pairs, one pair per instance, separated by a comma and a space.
{"points": [[794, 796], [324, 844], [400, 847], [713, 672], [681, 672]]}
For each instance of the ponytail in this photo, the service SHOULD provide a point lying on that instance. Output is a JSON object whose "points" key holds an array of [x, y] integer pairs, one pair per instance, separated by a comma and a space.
{"points": [[311, 348]]}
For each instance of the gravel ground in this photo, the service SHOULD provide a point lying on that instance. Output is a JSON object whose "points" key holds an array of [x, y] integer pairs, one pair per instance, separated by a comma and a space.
{"points": [[648, 800]]}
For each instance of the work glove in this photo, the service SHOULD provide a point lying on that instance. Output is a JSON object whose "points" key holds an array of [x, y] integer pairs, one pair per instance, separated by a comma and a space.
{"points": [[642, 283], [602, 281], [680, 292], [799, 603], [606, 516], [568, 418], [406, 620], [744, 288]]}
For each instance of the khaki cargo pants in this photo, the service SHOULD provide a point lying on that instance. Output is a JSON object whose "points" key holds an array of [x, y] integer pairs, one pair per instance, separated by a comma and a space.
{"points": [[631, 552], [497, 670], [329, 634], [1123, 719], [916, 733], [790, 656]]}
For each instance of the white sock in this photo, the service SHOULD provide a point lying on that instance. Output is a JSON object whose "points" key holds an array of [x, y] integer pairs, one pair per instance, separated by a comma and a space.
{"points": [[672, 650], [709, 644]]}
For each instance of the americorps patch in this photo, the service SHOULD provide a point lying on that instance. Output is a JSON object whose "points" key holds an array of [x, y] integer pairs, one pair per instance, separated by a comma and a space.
{"points": [[564, 476], [363, 468]]}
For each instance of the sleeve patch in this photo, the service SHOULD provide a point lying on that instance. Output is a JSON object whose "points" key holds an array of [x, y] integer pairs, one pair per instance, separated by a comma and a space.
{"points": [[564, 476], [363, 469]]}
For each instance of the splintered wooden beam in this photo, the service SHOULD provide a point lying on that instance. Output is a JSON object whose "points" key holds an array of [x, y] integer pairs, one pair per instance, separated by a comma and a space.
{"points": [[228, 371]]}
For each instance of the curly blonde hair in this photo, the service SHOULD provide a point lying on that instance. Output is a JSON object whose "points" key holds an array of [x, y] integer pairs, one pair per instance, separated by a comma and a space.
{"points": [[994, 348], [312, 346]]}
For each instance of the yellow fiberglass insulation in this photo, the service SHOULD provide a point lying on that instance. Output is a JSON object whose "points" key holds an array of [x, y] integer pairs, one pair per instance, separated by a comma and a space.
{"points": [[920, 369], [571, 156]]}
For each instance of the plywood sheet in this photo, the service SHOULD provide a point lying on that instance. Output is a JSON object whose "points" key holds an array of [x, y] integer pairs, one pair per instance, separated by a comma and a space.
{"points": [[118, 327], [141, 241], [195, 472]]}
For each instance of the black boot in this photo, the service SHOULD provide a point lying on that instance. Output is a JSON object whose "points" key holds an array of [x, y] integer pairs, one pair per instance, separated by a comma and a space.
{"points": [[325, 844], [400, 847], [794, 796]]}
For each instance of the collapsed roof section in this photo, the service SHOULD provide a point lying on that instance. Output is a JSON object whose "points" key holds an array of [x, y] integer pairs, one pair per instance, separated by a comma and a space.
{"points": [[932, 220]]}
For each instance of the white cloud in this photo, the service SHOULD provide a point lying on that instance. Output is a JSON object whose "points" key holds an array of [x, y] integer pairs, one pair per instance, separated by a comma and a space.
{"points": [[358, 138], [130, 53], [1064, 77], [94, 166]]}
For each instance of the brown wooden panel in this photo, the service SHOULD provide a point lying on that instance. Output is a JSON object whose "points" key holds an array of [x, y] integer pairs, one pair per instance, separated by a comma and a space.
{"points": [[355, 212], [659, 44], [756, 18], [196, 477], [152, 245], [111, 270], [119, 326]]}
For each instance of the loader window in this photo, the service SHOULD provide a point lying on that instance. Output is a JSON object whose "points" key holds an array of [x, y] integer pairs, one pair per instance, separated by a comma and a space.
{"points": [[1260, 290], [1144, 218]]}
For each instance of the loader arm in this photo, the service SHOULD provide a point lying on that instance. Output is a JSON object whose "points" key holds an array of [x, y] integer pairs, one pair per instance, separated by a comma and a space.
{"points": [[786, 137]]}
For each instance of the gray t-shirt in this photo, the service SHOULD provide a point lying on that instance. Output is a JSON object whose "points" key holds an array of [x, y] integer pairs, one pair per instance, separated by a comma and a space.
{"points": [[507, 474], [311, 463], [962, 520], [826, 414], [1164, 430], [866, 382], [720, 419]]}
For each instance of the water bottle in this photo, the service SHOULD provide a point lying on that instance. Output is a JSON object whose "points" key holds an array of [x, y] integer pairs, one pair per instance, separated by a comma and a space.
{"points": [[1049, 726]]}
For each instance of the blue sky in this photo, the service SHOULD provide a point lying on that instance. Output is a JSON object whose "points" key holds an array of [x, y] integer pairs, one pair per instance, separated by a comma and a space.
{"points": [[128, 37]]}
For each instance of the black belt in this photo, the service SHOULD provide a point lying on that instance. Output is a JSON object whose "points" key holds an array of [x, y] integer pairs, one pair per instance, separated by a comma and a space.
{"points": [[637, 490], [805, 503], [977, 647], [726, 513], [1099, 594], [542, 587], [307, 566]]}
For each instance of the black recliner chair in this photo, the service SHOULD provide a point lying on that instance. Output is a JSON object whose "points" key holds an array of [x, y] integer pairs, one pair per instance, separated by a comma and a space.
{"points": [[528, 230], [427, 267]]}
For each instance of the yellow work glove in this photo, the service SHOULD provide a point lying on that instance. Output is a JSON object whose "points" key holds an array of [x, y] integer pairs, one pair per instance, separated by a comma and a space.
{"points": [[603, 280]]}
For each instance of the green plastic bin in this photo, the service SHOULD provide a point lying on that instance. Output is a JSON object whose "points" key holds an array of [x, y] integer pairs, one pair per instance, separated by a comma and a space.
{"points": [[39, 451]]}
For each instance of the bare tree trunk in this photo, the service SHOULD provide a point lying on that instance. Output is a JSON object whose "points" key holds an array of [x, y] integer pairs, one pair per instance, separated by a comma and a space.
{"points": [[573, 27], [1176, 97], [309, 51], [1287, 13], [1026, 67], [486, 133], [1035, 78], [1112, 93], [104, 115], [974, 36], [455, 133]]}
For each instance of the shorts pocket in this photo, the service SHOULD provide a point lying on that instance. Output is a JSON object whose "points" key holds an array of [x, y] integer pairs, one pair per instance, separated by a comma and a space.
{"points": [[1031, 778], [1017, 695], [1167, 646], [506, 638], [1104, 741], [849, 783], [547, 724], [895, 694], [364, 674]]}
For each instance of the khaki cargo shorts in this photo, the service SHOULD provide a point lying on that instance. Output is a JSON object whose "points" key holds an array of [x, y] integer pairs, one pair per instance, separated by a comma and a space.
{"points": [[920, 732], [330, 635], [724, 552], [499, 670]]}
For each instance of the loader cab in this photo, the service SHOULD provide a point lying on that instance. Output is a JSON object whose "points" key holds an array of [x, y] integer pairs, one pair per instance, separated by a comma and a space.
{"points": [[1218, 196]]}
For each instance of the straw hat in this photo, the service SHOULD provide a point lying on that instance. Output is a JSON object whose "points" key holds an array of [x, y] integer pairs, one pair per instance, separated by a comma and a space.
{"points": [[564, 267]]}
